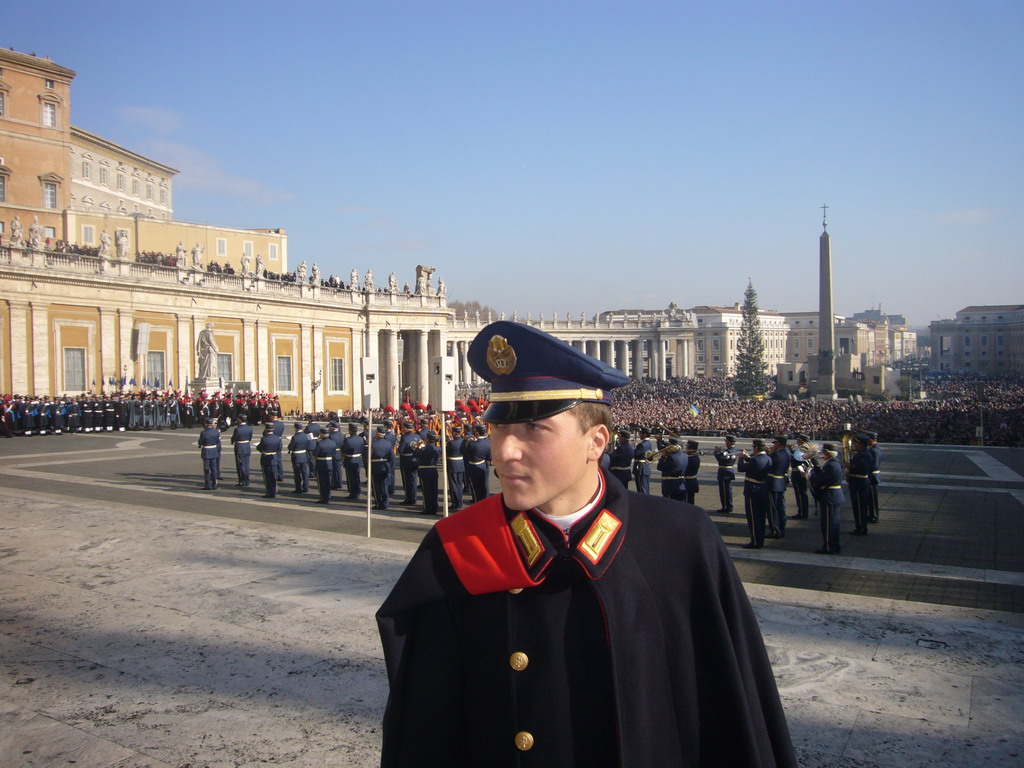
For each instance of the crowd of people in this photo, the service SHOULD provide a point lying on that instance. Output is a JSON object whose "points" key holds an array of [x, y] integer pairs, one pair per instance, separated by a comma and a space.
{"points": [[956, 407]]}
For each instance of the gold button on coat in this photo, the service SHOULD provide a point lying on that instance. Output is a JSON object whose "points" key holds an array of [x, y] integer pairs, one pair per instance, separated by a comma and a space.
{"points": [[515, 591], [519, 661], [524, 741]]}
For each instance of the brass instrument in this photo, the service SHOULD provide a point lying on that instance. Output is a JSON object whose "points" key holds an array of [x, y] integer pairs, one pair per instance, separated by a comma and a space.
{"points": [[847, 440], [670, 448]]}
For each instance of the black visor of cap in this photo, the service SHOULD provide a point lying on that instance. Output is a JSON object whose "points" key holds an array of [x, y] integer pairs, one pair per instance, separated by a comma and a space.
{"points": [[523, 411]]}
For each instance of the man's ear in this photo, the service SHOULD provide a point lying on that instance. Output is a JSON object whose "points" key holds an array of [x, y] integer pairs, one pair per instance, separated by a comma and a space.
{"points": [[599, 438]]}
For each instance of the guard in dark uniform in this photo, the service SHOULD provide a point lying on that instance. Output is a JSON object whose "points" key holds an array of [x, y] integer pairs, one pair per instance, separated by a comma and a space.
{"points": [[456, 468], [241, 441], [858, 478], [322, 454], [672, 466], [210, 447], [428, 456], [799, 472], [641, 466], [621, 465], [334, 432], [827, 482], [270, 452], [476, 454], [407, 463], [298, 451], [380, 468], [278, 425], [781, 459], [726, 458], [352, 455], [692, 468], [568, 622], [756, 467], [876, 459]]}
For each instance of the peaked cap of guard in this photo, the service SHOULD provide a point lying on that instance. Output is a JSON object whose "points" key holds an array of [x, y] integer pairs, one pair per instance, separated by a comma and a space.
{"points": [[533, 375]]}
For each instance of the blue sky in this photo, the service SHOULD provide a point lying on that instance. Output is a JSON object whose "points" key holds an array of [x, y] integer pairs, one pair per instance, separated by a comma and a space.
{"points": [[582, 156]]}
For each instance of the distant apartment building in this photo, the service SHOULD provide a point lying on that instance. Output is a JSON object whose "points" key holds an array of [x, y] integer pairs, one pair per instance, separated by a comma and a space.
{"points": [[985, 340]]}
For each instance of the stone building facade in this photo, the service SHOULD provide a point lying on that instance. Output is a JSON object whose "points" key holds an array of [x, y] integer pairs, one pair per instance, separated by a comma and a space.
{"points": [[985, 340]]}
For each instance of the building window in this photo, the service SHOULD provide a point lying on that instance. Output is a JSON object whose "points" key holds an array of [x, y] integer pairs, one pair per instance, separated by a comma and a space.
{"points": [[967, 341], [88, 234], [74, 369], [49, 195], [122, 182], [163, 197], [984, 341], [226, 366], [247, 248], [86, 170], [337, 374], [222, 247], [284, 373], [104, 176], [155, 369], [3, 96], [136, 187], [999, 339], [3, 189], [700, 345], [48, 83], [272, 251], [49, 114], [716, 344]]}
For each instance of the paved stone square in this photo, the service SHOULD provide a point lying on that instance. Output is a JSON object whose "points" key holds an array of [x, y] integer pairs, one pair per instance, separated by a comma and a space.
{"points": [[145, 622]]}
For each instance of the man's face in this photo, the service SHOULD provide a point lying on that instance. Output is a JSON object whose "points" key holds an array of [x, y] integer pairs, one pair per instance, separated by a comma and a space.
{"points": [[548, 464]]}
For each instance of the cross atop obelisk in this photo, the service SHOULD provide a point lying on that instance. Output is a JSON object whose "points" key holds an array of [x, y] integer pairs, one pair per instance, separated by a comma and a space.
{"points": [[824, 218]]}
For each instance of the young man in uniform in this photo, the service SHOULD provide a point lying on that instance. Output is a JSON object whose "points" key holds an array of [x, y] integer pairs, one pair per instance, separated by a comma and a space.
{"points": [[567, 621]]}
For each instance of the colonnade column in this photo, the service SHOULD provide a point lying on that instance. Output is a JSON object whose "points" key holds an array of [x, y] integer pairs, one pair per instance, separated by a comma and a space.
{"points": [[637, 367], [107, 344], [306, 373], [266, 365], [124, 365], [40, 374], [622, 356], [389, 384], [607, 351], [20, 356], [422, 367], [318, 368], [183, 332], [248, 367]]}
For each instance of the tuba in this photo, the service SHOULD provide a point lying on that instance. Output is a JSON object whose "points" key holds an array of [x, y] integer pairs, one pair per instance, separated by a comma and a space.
{"points": [[846, 438]]}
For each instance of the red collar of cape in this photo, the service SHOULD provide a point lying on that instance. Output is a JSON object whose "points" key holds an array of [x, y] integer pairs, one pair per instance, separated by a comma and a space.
{"points": [[493, 548]]}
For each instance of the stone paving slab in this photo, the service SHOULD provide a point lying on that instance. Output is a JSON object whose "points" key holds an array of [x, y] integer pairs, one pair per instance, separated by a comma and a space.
{"points": [[135, 637]]}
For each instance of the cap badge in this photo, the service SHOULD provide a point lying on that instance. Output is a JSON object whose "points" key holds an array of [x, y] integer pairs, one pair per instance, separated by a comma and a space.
{"points": [[501, 358]]}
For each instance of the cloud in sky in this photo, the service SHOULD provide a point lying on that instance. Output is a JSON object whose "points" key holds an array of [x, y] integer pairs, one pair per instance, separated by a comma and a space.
{"points": [[161, 122], [968, 216], [198, 170], [205, 172]]}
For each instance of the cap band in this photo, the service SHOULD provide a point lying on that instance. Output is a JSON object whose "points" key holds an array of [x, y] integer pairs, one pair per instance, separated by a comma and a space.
{"points": [[547, 394]]}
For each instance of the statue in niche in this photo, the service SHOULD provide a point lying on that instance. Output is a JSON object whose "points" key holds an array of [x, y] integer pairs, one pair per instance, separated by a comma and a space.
{"points": [[368, 281], [392, 283], [179, 254], [300, 273], [197, 257], [315, 277], [105, 245], [353, 280], [206, 353], [17, 234], [121, 243], [442, 287], [35, 235], [245, 264], [259, 265]]}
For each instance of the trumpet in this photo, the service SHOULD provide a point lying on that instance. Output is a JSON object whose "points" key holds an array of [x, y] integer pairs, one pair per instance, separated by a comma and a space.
{"points": [[670, 448]]}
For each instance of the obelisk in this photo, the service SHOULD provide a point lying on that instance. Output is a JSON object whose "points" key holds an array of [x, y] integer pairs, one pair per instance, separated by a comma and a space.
{"points": [[826, 389]]}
